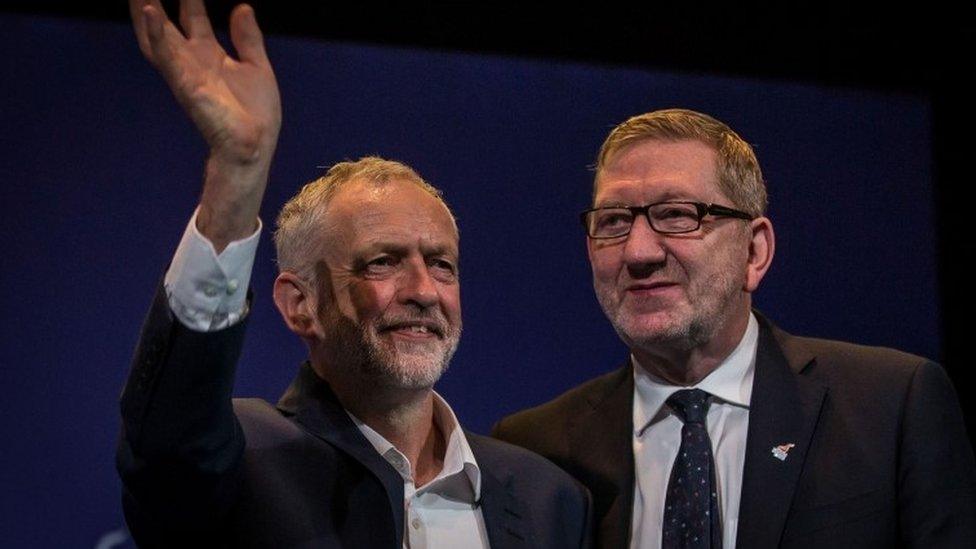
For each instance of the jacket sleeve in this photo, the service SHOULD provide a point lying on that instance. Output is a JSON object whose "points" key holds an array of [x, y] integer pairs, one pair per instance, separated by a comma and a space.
{"points": [[180, 444], [936, 469]]}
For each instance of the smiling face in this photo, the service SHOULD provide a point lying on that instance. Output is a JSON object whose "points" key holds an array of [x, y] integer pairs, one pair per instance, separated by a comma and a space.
{"points": [[388, 296], [679, 291]]}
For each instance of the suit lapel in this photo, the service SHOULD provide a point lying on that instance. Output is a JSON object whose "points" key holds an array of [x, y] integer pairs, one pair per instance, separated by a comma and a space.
{"points": [[601, 445], [783, 411], [313, 404], [506, 518]]}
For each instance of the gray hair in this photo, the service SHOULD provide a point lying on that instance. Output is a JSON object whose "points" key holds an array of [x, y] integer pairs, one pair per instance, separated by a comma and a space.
{"points": [[739, 175], [299, 228]]}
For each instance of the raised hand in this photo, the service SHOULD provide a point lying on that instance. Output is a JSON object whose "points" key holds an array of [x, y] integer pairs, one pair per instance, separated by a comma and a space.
{"points": [[233, 102]]}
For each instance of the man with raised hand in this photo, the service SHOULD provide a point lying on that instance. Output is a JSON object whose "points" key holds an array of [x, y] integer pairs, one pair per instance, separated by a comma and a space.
{"points": [[360, 451], [721, 430]]}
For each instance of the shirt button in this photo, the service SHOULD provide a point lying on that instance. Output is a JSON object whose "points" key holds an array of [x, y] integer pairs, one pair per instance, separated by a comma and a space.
{"points": [[231, 286], [210, 291], [415, 523]]}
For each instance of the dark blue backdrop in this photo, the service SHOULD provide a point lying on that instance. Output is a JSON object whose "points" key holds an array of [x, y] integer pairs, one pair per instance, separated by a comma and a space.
{"points": [[101, 171]]}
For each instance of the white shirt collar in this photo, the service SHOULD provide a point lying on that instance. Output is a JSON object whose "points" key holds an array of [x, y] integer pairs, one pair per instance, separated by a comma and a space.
{"points": [[458, 457], [731, 381]]}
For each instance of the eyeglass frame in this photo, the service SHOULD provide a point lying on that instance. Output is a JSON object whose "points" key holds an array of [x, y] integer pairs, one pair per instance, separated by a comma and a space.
{"points": [[702, 208]]}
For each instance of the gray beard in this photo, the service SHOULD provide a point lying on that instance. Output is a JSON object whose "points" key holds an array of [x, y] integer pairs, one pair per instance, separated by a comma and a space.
{"points": [[698, 331], [679, 338], [371, 363]]}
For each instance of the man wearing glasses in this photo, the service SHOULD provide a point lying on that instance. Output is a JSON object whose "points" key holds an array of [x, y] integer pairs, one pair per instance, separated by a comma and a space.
{"points": [[721, 430]]}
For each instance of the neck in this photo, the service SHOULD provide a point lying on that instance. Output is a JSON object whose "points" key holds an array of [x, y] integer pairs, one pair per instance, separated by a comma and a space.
{"points": [[686, 366], [404, 417]]}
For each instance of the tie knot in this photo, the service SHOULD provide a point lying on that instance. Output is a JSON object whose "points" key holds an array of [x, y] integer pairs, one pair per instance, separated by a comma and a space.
{"points": [[690, 405]]}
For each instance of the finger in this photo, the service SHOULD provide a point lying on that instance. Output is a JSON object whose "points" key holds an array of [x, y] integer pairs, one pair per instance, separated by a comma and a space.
{"points": [[139, 24], [164, 38], [246, 36], [194, 20], [142, 12]]}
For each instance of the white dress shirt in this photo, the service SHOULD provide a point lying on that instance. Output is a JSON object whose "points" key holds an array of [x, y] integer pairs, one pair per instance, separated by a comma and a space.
{"points": [[445, 511], [657, 436], [208, 292]]}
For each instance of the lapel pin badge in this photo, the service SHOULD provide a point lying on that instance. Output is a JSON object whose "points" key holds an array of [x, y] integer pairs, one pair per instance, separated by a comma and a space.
{"points": [[782, 451]]}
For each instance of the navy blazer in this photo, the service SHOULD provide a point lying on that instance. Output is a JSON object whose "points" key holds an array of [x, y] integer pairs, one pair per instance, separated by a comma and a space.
{"points": [[881, 456], [202, 469]]}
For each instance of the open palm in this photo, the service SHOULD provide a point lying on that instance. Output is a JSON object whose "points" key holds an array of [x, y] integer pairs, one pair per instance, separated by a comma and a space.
{"points": [[233, 102]]}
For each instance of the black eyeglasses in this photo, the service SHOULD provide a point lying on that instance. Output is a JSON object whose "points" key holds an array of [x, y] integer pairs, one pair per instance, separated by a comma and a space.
{"points": [[664, 217]]}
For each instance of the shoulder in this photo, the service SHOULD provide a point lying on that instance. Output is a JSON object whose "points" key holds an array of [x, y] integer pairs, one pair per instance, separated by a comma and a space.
{"points": [[844, 362], [840, 352], [263, 424], [582, 397], [860, 366], [512, 465], [547, 428], [864, 380], [499, 455]]}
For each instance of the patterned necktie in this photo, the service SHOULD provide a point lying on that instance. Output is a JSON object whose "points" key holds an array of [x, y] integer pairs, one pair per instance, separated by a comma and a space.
{"points": [[691, 517]]}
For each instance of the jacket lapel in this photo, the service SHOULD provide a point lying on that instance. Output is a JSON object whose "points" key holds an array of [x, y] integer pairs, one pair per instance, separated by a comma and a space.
{"points": [[313, 404], [783, 412], [505, 516], [602, 447]]}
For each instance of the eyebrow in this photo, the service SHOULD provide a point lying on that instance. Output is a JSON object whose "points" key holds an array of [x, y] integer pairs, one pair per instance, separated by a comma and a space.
{"points": [[439, 249], [665, 197]]}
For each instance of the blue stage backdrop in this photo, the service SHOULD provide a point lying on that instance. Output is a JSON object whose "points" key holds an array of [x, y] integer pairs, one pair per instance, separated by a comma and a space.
{"points": [[101, 172]]}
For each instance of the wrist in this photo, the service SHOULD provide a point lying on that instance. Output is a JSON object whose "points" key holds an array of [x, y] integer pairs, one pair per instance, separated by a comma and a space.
{"points": [[244, 154], [231, 200]]}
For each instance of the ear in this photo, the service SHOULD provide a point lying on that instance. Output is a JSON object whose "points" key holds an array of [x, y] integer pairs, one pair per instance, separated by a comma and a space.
{"points": [[762, 245], [297, 304]]}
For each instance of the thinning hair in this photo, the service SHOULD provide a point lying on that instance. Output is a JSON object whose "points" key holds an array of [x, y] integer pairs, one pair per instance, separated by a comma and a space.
{"points": [[300, 228], [738, 174]]}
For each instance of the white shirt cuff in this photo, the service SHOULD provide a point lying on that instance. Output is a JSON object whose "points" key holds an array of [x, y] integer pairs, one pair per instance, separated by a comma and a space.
{"points": [[208, 292]]}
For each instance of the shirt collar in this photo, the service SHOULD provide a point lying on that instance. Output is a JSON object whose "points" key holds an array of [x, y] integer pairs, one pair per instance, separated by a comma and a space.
{"points": [[730, 382], [459, 462]]}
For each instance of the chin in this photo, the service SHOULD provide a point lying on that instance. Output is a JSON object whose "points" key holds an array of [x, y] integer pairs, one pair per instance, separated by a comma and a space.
{"points": [[419, 374], [650, 332], [409, 370], [657, 324]]}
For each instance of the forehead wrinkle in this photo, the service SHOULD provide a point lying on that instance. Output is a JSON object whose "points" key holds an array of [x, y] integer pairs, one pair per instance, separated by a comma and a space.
{"points": [[668, 194], [398, 246], [402, 231], [648, 171], [392, 216]]}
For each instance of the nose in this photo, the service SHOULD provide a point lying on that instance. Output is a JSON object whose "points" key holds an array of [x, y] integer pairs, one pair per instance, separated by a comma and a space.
{"points": [[417, 286], [643, 249]]}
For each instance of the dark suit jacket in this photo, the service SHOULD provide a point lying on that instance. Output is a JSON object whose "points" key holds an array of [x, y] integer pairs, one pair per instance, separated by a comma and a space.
{"points": [[881, 458], [202, 470]]}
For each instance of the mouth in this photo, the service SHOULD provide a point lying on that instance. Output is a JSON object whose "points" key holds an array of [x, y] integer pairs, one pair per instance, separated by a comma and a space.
{"points": [[638, 286], [650, 289], [414, 330]]}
